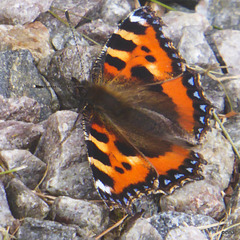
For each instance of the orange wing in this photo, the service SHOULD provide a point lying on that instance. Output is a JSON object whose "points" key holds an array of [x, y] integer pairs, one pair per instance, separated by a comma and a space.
{"points": [[121, 172]]}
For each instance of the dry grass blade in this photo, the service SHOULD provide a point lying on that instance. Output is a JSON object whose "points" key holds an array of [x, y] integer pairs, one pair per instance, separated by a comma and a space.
{"points": [[112, 227], [226, 135]]}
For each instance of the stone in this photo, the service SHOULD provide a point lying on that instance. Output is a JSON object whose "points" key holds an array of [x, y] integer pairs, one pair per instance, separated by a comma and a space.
{"points": [[22, 11], [166, 221], [36, 229], [33, 166], [23, 202], [226, 42], [33, 37], [224, 14], [185, 233], [6, 218], [21, 109], [64, 65], [114, 11], [16, 134], [63, 147], [141, 229], [91, 218], [19, 76]]}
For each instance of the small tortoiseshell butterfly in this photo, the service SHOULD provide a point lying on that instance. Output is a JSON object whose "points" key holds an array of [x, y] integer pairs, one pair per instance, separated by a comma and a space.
{"points": [[144, 109]]}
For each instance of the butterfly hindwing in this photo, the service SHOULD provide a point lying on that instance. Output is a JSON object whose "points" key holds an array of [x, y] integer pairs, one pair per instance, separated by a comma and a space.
{"points": [[120, 172]]}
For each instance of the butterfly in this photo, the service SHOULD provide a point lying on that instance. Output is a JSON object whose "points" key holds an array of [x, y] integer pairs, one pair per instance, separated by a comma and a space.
{"points": [[143, 111]]}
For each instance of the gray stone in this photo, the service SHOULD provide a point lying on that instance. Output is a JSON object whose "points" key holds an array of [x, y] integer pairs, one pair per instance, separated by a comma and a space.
{"points": [[166, 221], [227, 43], [232, 126], [91, 218], [20, 109], [114, 11], [185, 233], [98, 30], [62, 66], [19, 75], [22, 11], [224, 14], [6, 218], [63, 147], [143, 230], [23, 202], [36, 229], [15, 134], [175, 22], [34, 167], [194, 48], [88, 10]]}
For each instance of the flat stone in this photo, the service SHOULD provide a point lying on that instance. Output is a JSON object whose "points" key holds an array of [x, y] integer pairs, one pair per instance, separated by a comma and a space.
{"points": [[166, 221]]}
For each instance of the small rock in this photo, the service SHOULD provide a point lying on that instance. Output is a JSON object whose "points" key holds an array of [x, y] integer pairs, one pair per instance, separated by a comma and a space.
{"points": [[232, 126], [33, 37], [6, 217], [194, 48], [232, 88], [167, 221], [19, 75], [34, 166], [98, 30], [21, 109], [224, 14], [91, 218], [185, 233], [88, 10], [22, 11], [114, 11], [63, 148], [36, 229], [143, 230], [175, 22], [23, 202], [21, 135], [62, 66], [227, 43]]}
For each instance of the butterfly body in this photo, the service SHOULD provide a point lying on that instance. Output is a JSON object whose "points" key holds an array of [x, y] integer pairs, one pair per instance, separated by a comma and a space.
{"points": [[144, 110]]}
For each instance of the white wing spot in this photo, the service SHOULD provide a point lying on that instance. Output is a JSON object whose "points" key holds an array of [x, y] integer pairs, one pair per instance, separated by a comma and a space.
{"points": [[137, 19], [103, 187]]}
